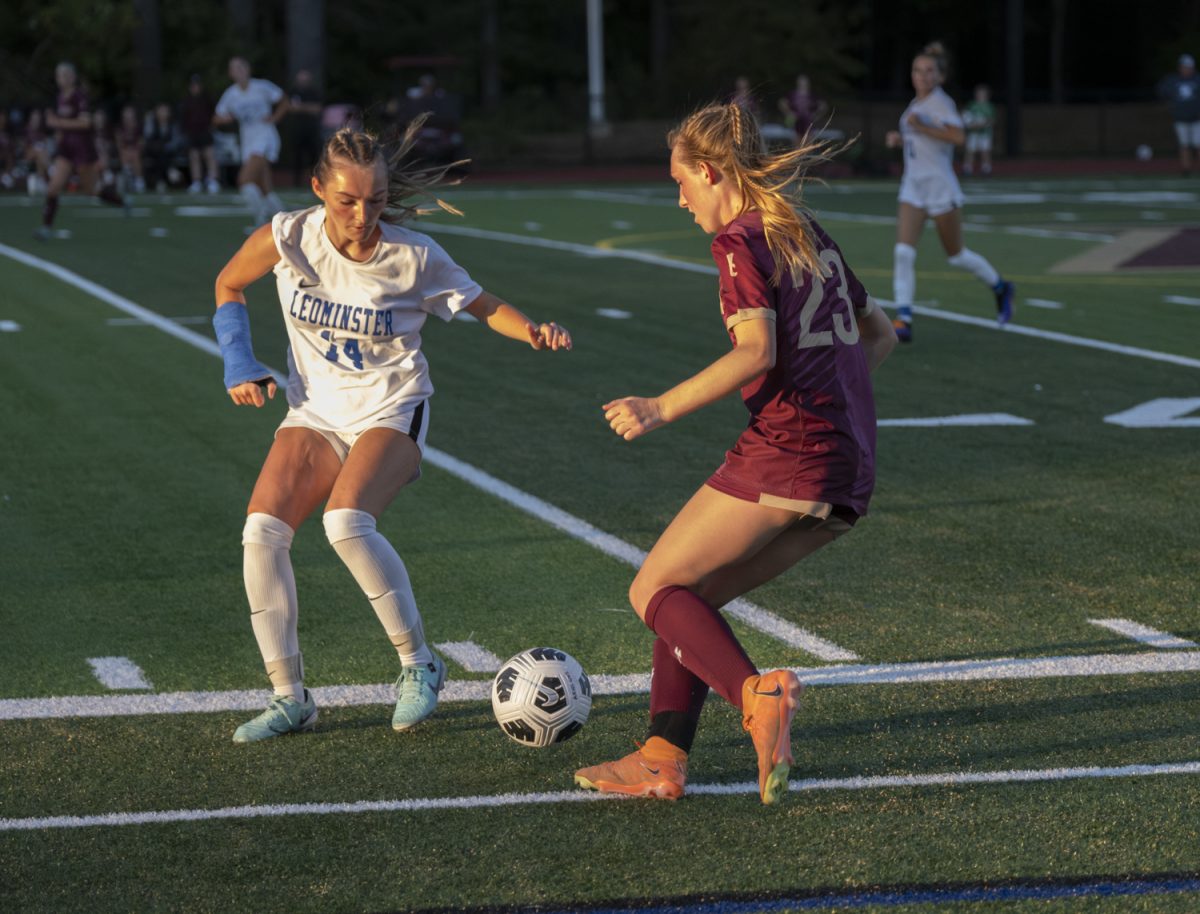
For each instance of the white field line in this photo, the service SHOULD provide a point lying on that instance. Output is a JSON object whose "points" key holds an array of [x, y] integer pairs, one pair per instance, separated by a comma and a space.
{"points": [[138, 322], [750, 614], [1144, 634], [754, 616], [467, 690], [587, 250], [470, 656], [433, 804], [1181, 300], [968, 419], [118, 673], [1046, 303], [1164, 412]]}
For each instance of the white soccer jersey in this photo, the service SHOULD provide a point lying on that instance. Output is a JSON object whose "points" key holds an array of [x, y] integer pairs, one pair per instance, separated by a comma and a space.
{"points": [[251, 108], [354, 329], [923, 155]]}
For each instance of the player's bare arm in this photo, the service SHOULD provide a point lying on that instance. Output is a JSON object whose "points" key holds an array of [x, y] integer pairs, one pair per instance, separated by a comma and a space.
{"points": [[753, 356], [506, 320], [877, 336], [253, 260]]}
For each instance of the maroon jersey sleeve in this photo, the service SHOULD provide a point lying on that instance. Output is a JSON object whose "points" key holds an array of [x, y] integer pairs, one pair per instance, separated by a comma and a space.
{"points": [[745, 290]]}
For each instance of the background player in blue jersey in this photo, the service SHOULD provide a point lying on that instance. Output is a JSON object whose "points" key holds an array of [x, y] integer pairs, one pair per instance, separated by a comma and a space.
{"points": [[805, 336]]}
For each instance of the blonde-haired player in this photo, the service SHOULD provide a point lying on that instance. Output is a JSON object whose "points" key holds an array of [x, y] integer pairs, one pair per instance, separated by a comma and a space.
{"points": [[355, 287], [805, 336], [930, 128]]}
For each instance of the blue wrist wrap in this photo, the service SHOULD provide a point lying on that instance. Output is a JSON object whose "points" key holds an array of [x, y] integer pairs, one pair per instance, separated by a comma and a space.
{"points": [[232, 323]]}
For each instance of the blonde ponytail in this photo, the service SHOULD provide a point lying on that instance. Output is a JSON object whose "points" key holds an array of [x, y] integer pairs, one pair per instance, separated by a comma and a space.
{"points": [[728, 137]]}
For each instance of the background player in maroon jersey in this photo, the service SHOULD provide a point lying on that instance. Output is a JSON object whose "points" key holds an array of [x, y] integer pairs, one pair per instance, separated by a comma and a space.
{"points": [[75, 147], [805, 336]]}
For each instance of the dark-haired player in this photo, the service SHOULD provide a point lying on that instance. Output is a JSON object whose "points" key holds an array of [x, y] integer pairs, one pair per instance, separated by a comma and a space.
{"points": [[75, 147]]}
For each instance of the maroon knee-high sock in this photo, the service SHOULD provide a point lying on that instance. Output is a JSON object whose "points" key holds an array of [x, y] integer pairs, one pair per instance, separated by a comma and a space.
{"points": [[676, 698], [701, 640], [49, 208]]}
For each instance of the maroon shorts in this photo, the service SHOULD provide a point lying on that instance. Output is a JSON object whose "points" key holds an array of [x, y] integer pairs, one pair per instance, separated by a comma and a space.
{"points": [[775, 468], [77, 148]]}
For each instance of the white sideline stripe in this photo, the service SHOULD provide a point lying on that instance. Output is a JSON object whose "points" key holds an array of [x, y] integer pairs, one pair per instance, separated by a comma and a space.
{"points": [[202, 211], [1056, 337], [118, 673], [462, 690], [754, 616], [1144, 633], [470, 656], [616, 314], [1047, 303], [1181, 300], [968, 419], [138, 322], [587, 250], [1165, 412], [877, 782]]}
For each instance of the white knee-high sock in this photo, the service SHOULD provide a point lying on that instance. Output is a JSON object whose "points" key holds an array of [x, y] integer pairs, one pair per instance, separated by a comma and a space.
{"points": [[253, 196], [904, 279], [381, 574], [271, 590], [975, 265]]}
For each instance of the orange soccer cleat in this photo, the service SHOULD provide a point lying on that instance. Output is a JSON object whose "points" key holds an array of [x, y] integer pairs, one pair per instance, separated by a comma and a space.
{"points": [[769, 702], [657, 769]]}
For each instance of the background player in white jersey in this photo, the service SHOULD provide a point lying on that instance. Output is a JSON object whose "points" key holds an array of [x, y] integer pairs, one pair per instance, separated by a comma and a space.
{"points": [[356, 287], [255, 105], [930, 128]]}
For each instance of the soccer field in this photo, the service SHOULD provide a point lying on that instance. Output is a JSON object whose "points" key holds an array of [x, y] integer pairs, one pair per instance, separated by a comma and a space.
{"points": [[1004, 701]]}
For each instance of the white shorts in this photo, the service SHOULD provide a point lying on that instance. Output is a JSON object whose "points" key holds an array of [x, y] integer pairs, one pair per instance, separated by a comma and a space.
{"points": [[260, 140], [935, 194], [413, 422], [1188, 133], [979, 142]]}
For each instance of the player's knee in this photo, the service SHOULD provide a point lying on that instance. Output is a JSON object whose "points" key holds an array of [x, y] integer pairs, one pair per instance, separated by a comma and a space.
{"points": [[905, 255], [960, 260], [347, 523], [267, 530]]}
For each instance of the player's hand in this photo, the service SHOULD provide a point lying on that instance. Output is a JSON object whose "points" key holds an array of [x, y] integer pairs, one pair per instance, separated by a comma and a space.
{"points": [[250, 393], [549, 336], [632, 417], [893, 139]]}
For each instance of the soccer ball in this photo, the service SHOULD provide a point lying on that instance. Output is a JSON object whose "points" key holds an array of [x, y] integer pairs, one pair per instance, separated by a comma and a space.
{"points": [[541, 696]]}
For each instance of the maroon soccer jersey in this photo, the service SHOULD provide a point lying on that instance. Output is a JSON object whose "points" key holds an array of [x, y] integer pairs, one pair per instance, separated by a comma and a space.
{"points": [[811, 436], [76, 144]]}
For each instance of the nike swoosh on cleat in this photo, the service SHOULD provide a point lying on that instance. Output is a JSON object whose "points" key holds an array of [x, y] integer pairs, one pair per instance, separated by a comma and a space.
{"points": [[654, 771], [774, 693]]}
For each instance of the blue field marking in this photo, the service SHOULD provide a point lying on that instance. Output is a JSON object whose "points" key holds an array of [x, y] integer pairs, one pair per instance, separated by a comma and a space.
{"points": [[823, 900]]}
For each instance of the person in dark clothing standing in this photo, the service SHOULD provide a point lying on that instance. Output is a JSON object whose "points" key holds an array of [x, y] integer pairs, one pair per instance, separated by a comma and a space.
{"points": [[304, 122], [195, 120], [1182, 90]]}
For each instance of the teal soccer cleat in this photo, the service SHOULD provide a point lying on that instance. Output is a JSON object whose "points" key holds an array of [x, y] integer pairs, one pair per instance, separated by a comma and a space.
{"points": [[417, 693], [283, 715]]}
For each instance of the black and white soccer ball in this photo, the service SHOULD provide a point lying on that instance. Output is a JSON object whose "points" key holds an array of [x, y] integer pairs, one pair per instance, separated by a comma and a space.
{"points": [[541, 696]]}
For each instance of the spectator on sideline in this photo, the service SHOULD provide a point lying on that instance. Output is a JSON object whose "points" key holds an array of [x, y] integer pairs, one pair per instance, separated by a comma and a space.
{"points": [[164, 146], [195, 120], [36, 148], [130, 145], [802, 108], [979, 117], [1182, 90], [304, 125], [930, 128], [256, 106]]}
